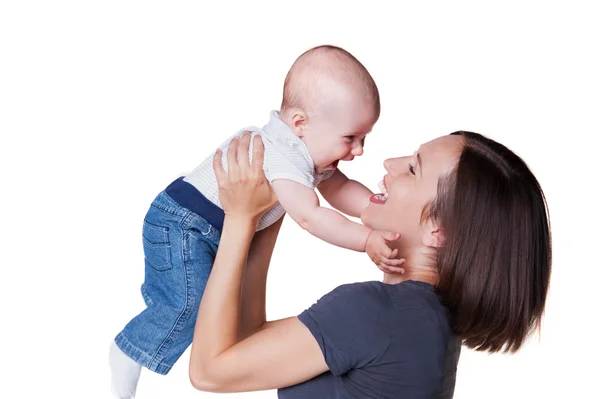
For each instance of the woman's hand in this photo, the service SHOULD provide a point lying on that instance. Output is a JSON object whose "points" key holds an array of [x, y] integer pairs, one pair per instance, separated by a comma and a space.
{"points": [[243, 190]]}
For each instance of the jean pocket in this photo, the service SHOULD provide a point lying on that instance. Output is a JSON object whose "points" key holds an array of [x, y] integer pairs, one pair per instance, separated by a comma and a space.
{"points": [[157, 248]]}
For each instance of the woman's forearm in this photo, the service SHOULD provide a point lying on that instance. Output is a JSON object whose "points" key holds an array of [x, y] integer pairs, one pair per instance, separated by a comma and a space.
{"points": [[254, 285], [218, 317], [269, 358]]}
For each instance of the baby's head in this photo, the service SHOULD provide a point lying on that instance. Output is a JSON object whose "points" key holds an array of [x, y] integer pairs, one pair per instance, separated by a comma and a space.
{"points": [[331, 102]]}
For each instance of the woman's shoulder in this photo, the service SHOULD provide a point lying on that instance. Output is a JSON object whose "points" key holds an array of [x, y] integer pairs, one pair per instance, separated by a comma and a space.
{"points": [[373, 292], [418, 305], [379, 290], [405, 298], [414, 294], [374, 298], [354, 301], [357, 315]]}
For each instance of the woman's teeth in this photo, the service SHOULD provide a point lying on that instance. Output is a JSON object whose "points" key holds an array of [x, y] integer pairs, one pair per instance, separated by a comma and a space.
{"points": [[384, 194]]}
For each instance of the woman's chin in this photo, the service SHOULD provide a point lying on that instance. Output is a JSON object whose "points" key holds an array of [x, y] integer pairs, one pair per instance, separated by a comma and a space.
{"points": [[376, 216], [368, 218]]}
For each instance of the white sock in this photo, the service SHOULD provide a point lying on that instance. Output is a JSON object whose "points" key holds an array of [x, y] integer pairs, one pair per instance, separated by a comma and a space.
{"points": [[125, 373]]}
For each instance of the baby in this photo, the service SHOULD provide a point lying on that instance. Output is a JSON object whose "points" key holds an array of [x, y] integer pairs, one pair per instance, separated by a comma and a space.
{"points": [[330, 103]]}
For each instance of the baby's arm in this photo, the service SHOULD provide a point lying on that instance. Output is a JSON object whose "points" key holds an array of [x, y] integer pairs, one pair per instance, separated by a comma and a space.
{"points": [[302, 204], [346, 195]]}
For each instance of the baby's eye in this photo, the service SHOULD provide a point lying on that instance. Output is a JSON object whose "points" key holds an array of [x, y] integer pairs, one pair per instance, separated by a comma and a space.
{"points": [[348, 139]]}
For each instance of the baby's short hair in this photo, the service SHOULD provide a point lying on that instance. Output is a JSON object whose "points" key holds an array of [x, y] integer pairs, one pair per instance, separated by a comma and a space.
{"points": [[326, 61]]}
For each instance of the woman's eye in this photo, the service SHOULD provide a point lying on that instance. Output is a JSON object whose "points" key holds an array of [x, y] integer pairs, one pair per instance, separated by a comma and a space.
{"points": [[411, 169]]}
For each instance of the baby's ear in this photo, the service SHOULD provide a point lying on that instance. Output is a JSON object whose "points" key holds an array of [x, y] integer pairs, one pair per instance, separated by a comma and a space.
{"points": [[434, 238], [299, 120]]}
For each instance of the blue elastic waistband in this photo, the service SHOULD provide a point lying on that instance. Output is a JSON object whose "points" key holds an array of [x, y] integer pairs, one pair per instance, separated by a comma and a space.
{"points": [[189, 197]]}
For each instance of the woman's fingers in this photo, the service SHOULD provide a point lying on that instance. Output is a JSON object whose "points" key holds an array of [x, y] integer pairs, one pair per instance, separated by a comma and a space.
{"points": [[233, 170], [242, 152], [243, 191], [258, 154], [218, 166]]}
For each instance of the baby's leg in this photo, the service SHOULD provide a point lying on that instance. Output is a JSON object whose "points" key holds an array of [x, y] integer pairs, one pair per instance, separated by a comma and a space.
{"points": [[179, 248], [125, 373]]}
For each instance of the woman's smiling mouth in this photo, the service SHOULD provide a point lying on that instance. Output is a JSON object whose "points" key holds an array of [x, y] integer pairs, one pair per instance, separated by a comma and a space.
{"points": [[381, 197]]}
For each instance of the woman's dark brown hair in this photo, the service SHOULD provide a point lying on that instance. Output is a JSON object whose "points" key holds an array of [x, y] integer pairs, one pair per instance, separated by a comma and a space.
{"points": [[494, 268]]}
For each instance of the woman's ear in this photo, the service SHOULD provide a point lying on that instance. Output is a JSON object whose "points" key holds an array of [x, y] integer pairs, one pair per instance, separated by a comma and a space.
{"points": [[434, 238], [299, 120]]}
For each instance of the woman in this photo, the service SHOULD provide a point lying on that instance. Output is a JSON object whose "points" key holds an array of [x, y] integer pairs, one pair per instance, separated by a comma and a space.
{"points": [[476, 243]]}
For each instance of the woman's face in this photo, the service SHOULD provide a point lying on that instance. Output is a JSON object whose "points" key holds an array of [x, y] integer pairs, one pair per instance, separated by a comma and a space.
{"points": [[411, 183]]}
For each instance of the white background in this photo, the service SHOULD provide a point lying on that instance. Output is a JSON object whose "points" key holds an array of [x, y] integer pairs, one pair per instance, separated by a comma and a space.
{"points": [[103, 103]]}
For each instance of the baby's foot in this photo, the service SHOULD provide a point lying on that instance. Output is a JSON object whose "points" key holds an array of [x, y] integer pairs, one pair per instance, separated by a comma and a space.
{"points": [[125, 373]]}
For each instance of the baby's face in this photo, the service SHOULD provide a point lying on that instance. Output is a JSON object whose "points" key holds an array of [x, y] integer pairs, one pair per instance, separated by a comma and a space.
{"points": [[338, 133]]}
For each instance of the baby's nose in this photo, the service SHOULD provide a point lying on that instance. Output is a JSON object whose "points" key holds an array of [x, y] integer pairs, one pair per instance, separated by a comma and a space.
{"points": [[357, 150]]}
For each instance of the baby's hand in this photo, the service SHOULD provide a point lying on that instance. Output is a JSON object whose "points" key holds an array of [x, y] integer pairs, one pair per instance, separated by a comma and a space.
{"points": [[381, 254]]}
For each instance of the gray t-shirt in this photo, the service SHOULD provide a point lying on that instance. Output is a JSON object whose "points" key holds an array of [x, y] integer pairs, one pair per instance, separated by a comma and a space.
{"points": [[381, 341]]}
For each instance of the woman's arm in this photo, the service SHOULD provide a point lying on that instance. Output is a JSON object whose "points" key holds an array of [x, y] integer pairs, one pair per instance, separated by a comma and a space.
{"points": [[282, 353], [254, 285]]}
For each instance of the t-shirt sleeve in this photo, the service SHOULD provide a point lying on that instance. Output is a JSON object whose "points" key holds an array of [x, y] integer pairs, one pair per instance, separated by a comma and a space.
{"points": [[352, 325], [284, 161]]}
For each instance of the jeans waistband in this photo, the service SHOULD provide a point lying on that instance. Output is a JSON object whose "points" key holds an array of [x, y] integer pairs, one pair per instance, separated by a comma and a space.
{"points": [[189, 197]]}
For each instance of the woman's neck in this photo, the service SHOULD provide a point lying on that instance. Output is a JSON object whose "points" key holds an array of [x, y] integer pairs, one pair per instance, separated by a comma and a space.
{"points": [[419, 265]]}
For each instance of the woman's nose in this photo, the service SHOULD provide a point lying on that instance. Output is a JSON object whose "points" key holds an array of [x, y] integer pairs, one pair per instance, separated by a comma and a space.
{"points": [[391, 165]]}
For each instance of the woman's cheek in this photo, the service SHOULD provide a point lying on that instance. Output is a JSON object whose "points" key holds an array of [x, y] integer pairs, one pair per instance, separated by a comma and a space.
{"points": [[409, 202], [403, 194]]}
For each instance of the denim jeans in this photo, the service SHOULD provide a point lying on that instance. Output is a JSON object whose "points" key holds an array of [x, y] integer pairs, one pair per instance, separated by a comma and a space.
{"points": [[179, 248]]}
